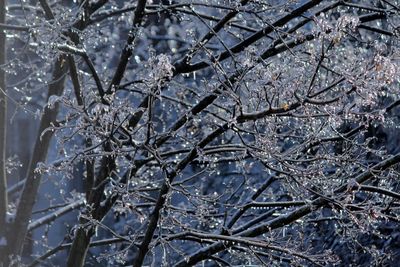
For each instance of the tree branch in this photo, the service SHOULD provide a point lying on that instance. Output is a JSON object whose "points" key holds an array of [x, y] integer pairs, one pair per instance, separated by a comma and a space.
{"points": [[250, 40], [154, 217], [288, 218], [56, 214], [127, 51]]}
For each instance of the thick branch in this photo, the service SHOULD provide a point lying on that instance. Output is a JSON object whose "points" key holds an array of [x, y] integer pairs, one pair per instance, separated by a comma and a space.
{"points": [[53, 216], [127, 51]]}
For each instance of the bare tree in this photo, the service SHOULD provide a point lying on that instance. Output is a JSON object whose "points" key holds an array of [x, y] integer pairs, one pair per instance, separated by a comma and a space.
{"points": [[215, 132]]}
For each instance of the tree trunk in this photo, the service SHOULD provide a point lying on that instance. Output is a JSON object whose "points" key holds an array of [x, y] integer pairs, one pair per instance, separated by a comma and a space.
{"points": [[80, 246], [3, 142], [29, 192]]}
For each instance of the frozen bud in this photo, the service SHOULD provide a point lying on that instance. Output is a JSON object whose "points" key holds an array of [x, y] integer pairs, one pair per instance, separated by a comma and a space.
{"points": [[347, 22], [164, 66]]}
